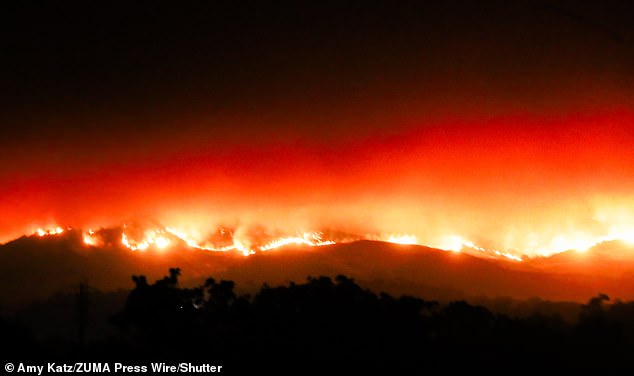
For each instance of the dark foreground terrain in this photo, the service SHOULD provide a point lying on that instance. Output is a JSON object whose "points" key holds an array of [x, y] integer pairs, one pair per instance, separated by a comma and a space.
{"points": [[321, 325]]}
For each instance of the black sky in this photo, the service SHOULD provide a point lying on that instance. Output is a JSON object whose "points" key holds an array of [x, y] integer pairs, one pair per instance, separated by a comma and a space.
{"points": [[76, 70]]}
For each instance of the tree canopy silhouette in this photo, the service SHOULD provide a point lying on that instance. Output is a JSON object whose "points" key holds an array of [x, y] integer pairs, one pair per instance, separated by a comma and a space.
{"points": [[337, 322], [334, 323]]}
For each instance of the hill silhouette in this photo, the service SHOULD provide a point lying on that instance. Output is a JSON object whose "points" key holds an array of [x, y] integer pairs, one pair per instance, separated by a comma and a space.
{"points": [[33, 268]]}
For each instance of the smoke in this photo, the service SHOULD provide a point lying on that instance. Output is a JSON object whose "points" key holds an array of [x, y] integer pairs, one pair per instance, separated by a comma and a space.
{"points": [[525, 185]]}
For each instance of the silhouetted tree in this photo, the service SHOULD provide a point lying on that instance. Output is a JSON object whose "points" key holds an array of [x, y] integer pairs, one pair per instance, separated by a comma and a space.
{"points": [[337, 323]]}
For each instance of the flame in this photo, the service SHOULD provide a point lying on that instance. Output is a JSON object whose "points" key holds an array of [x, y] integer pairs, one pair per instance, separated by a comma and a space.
{"points": [[243, 245], [626, 235], [188, 239], [162, 242], [152, 238], [402, 239], [578, 241], [581, 242], [190, 242], [90, 238], [509, 256], [311, 239], [454, 243], [50, 231], [242, 242], [163, 238]]}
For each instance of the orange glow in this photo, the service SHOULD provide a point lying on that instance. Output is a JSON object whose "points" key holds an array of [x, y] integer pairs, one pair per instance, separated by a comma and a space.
{"points": [[163, 238], [509, 186], [240, 241], [243, 245], [454, 243], [402, 239], [191, 242], [188, 240], [161, 242]]}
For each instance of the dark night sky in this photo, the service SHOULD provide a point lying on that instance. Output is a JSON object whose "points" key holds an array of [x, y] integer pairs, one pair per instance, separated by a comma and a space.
{"points": [[110, 108]]}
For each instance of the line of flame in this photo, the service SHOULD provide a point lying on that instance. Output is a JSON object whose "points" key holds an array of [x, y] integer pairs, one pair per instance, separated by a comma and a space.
{"points": [[160, 239]]}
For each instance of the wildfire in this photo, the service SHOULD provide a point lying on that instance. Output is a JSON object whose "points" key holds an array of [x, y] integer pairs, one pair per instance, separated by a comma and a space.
{"points": [[249, 246], [455, 243], [625, 235], [237, 244], [162, 242], [311, 239], [156, 238], [580, 241], [48, 232], [402, 239], [160, 238], [509, 256], [89, 238]]}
